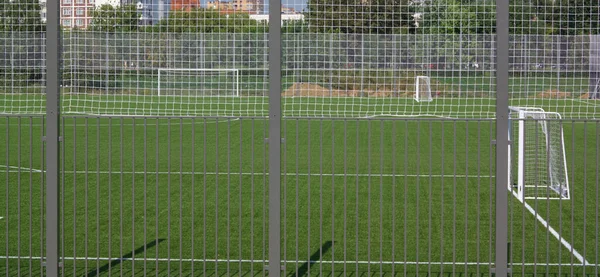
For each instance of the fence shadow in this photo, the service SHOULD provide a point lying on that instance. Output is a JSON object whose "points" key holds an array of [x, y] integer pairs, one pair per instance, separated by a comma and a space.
{"points": [[316, 256], [113, 263]]}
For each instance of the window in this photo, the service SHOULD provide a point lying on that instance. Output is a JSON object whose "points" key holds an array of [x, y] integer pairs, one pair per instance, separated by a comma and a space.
{"points": [[67, 2], [80, 11], [91, 1], [79, 22], [79, 1], [67, 22], [67, 11]]}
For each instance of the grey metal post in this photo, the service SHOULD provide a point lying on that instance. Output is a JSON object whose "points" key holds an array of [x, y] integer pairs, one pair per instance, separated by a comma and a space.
{"points": [[52, 139], [274, 137], [501, 137]]}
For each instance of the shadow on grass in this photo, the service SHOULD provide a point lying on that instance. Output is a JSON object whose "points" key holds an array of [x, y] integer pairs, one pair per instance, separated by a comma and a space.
{"points": [[113, 263], [315, 257]]}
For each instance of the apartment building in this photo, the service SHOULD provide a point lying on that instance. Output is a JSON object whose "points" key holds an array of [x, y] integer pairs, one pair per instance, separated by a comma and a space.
{"points": [[246, 6], [76, 13]]}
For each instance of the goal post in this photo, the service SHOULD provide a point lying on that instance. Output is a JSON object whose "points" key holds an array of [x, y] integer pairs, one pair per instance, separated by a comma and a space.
{"points": [[423, 89], [537, 161], [222, 82]]}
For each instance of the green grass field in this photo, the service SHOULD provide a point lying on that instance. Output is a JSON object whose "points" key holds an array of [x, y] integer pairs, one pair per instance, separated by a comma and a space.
{"points": [[347, 107], [369, 185], [384, 92], [409, 195]]}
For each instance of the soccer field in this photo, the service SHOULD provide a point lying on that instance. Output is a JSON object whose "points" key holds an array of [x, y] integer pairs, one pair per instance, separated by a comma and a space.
{"points": [[359, 196]]}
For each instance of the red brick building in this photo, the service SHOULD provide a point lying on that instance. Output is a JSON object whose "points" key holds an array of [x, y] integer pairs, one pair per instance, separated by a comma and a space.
{"points": [[180, 5], [76, 13]]}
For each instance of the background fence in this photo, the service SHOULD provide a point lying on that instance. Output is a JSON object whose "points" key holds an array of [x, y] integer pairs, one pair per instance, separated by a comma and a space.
{"points": [[396, 138]]}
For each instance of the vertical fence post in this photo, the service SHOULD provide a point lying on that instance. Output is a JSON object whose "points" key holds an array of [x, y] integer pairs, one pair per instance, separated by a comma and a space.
{"points": [[52, 137], [274, 137], [501, 137]]}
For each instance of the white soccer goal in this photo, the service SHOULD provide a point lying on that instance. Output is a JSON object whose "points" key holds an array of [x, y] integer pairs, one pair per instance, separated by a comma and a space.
{"points": [[423, 89], [537, 161], [198, 82]]}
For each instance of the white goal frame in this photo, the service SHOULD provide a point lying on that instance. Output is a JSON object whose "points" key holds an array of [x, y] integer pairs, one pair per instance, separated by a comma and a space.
{"points": [[427, 82], [235, 71], [520, 114]]}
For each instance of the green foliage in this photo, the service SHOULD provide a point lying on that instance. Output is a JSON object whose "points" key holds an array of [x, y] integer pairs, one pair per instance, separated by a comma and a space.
{"points": [[454, 17], [295, 26], [202, 20], [20, 27], [108, 18], [555, 17], [20, 15], [357, 16]]}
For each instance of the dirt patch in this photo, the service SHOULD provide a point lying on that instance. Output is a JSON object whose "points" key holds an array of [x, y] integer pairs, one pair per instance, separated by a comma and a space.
{"points": [[554, 94], [314, 90], [589, 96]]}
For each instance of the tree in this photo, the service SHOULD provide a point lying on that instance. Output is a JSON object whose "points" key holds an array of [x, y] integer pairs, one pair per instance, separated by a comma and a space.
{"points": [[454, 17], [20, 15], [108, 18], [20, 27], [200, 20], [555, 17], [357, 16], [569, 17]]}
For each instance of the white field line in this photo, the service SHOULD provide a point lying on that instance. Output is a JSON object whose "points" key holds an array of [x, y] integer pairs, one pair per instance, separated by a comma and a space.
{"points": [[200, 122], [593, 104], [554, 233], [14, 169], [424, 176], [141, 259], [162, 122]]}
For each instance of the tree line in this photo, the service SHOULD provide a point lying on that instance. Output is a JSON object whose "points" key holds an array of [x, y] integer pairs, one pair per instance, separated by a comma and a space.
{"points": [[543, 17]]}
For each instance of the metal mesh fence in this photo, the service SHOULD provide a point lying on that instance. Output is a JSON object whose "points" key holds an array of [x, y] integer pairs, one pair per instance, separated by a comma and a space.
{"points": [[339, 75], [230, 138]]}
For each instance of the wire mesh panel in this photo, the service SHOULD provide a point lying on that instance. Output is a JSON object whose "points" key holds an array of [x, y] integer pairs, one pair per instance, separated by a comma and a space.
{"points": [[164, 159], [22, 128], [395, 197], [378, 128], [190, 64], [22, 208], [22, 62], [166, 196], [554, 60], [558, 235], [364, 191]]}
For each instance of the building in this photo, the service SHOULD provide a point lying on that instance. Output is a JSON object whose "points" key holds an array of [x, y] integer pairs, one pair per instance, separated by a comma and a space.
{"points": [[76, 13], [233, 6], [153, 11], [287, 14], [184, 5], [284, 17]]}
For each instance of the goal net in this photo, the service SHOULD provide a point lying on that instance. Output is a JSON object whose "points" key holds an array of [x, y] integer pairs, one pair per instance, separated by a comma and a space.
{"points": [[198, 82], [537, 161], [423, 89]]}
